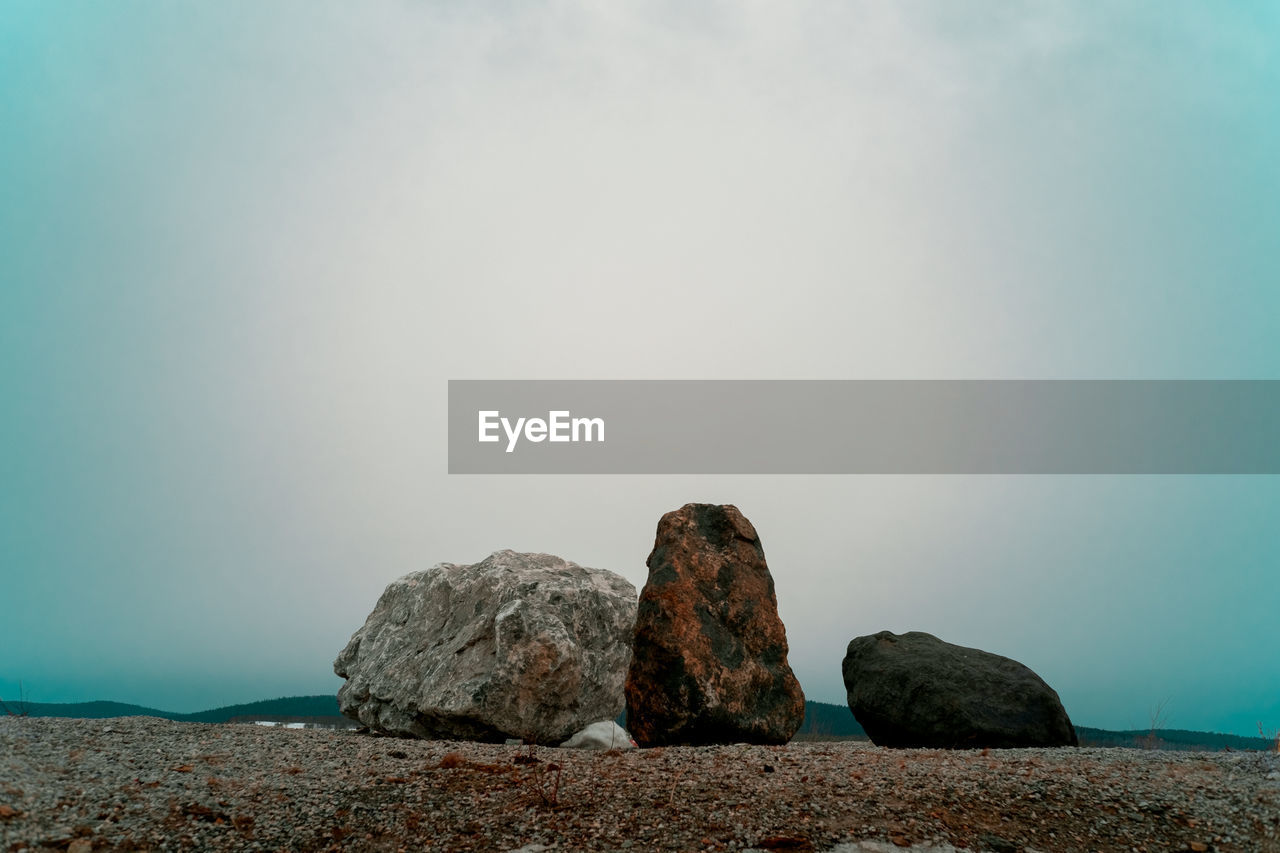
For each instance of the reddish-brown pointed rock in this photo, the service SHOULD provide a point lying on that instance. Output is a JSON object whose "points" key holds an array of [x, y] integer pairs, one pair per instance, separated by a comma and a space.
{"points": [[709, 662]]}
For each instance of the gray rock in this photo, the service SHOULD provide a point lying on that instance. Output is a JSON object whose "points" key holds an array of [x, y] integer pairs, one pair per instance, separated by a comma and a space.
{"points": [[518, 645], [915, 690]]}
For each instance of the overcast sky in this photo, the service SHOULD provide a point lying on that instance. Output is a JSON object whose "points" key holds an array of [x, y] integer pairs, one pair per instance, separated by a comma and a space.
{"points": [[243, 247]]}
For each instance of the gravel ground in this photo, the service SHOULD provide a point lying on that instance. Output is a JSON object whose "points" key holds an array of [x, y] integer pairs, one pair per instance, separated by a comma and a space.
{"points": [[144, 783]]}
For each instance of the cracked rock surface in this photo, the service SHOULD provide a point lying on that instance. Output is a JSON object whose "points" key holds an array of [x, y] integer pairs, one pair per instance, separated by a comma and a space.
{"points": [[516, 646], [710, 663]]}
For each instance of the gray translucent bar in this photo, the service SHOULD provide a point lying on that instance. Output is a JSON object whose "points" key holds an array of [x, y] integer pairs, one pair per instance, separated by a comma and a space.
{"points": [[872, 427]]}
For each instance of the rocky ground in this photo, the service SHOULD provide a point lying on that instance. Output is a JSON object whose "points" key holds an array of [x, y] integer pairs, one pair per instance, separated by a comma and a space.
{"points": [[143, 783]]}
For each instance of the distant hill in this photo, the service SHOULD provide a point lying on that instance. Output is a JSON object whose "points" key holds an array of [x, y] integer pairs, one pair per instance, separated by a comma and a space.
{"points": [[1174, 739], [86, 710], [822, 721], [270, 709], [286, 709]]}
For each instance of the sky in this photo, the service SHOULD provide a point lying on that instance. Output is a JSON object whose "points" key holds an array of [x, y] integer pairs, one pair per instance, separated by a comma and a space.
{"points": [[243, 248]]}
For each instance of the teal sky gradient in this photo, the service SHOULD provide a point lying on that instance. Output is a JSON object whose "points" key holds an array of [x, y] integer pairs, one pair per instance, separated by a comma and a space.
{"points": [[243, 248]]}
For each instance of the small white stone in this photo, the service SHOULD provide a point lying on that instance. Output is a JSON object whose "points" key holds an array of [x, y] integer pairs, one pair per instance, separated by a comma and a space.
{"points": [[605, 734]]}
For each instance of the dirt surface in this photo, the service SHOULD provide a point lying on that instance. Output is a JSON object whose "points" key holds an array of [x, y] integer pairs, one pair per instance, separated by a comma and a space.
{"points": [[145, 783]]}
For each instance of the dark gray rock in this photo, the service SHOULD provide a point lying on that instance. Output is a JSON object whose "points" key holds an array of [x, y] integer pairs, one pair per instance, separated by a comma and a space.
{"points": [[519, 645], [914, 690]]}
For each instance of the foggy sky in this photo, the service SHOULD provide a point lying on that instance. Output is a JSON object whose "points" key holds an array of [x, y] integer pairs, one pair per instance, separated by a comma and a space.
{"points": [[242, 250]]}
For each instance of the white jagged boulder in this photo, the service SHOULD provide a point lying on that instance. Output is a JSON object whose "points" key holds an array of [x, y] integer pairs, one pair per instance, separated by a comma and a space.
{"points": [[526, 646]]}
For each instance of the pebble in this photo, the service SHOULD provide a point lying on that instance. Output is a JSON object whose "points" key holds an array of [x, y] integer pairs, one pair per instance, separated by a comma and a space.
{"points": [[144, 783]]}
